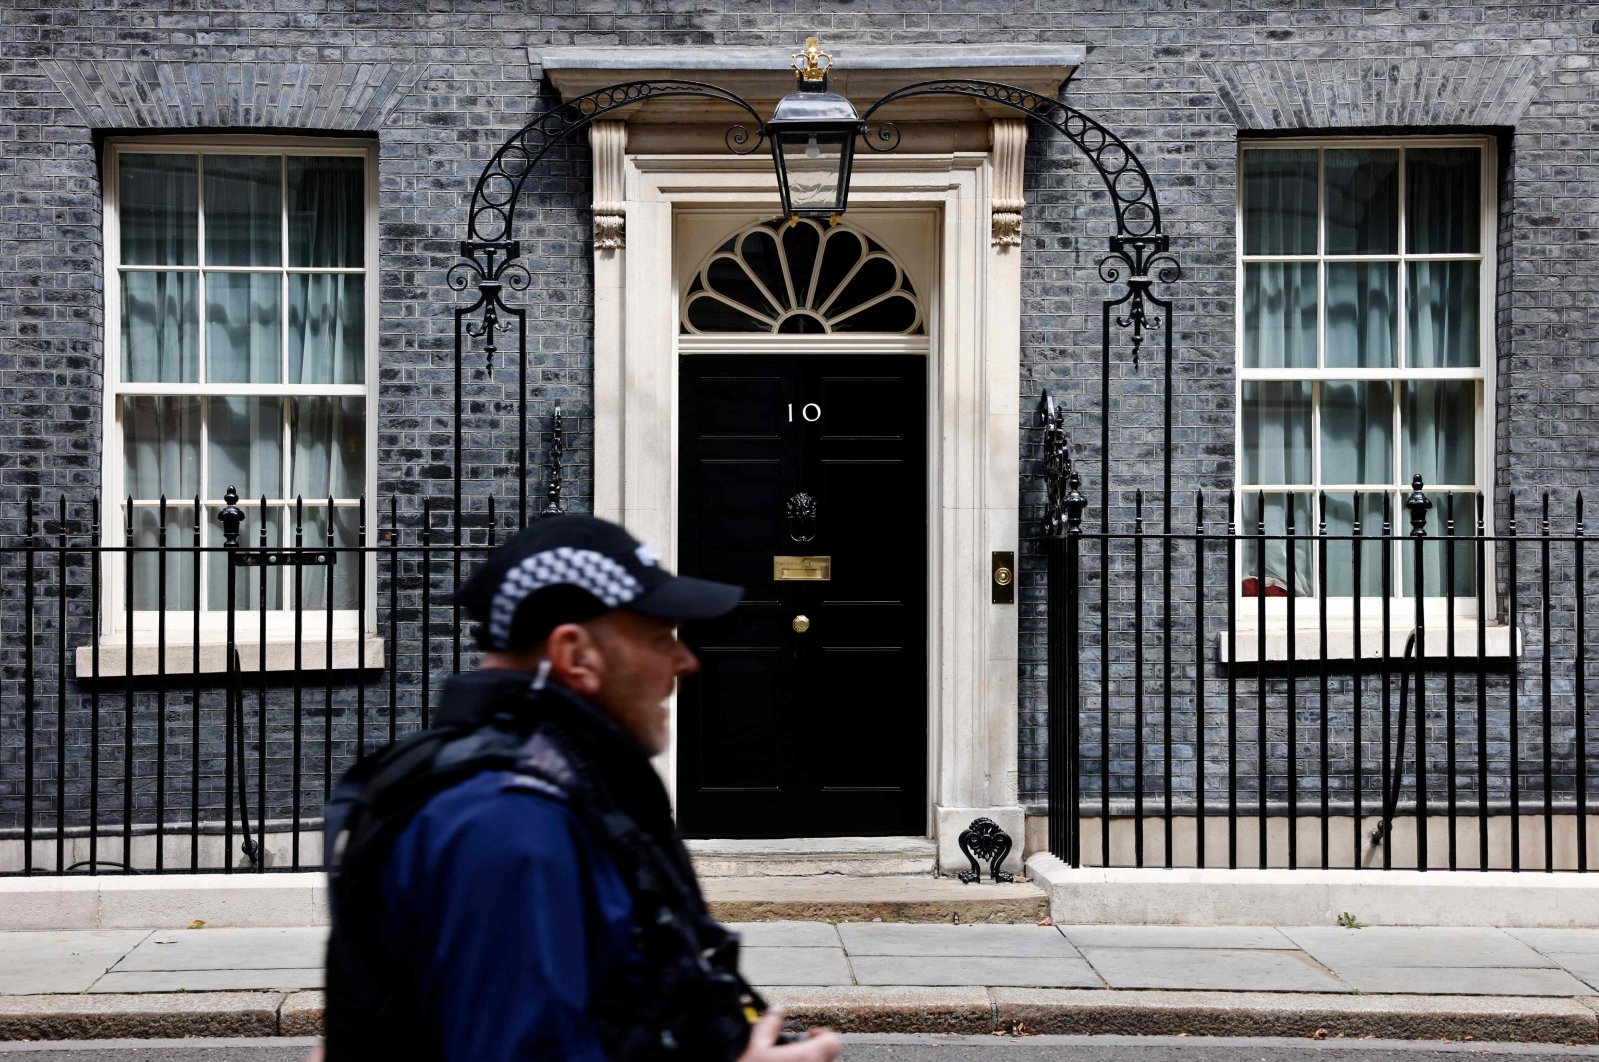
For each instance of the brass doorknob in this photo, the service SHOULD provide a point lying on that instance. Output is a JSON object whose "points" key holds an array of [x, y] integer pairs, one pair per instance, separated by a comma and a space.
{"points": [[801, 624]]}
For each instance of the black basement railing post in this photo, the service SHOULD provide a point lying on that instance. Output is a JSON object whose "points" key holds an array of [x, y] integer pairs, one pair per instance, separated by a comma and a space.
{"points": [[27, 688], [128, 555], [1548, 703], [1451, 738], [1419, 505], [1581, 713], [161, 687], [232, 519], [1075, 504]]}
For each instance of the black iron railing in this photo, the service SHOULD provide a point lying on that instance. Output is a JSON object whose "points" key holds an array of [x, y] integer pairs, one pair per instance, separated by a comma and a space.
{"points": [[1263, 691], [185, 702]]}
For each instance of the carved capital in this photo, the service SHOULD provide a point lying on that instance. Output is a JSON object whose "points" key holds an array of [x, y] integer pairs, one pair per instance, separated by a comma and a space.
{"points": [[608, 142], [1009, 139]]}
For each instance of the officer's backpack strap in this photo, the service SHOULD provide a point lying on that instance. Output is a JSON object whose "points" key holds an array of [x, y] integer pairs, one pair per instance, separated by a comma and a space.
{"points": [[367, 809]]}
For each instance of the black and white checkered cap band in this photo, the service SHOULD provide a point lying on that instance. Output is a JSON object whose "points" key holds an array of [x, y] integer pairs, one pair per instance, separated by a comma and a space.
{"points": [[585, 569]]}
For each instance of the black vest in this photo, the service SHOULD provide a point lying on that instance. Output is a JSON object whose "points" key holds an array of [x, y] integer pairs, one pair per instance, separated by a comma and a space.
{"points": [[689, 1003]]}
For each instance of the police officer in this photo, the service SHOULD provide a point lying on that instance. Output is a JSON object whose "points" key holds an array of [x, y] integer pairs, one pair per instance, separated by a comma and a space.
{"points": [[510, 884]]}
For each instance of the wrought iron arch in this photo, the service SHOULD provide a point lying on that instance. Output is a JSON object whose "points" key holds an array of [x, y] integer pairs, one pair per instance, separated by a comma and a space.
{"points": [[492, 217], [1139, 246], [490, 255], [1139, 258]]}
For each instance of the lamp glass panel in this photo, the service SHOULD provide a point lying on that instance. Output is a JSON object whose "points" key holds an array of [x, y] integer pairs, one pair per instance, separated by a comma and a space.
{"points": [[812, 162]]}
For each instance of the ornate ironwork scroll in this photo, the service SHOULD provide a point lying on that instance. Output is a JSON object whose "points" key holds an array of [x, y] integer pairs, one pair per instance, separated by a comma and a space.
{"points": [[490, 255], [1138, 258], [983, 839], [494, 199], [1138, 252], [1137, 211]]}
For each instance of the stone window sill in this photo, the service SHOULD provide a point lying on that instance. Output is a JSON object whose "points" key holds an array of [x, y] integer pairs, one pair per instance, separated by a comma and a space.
{"points": [[349, 653], [1341, 641]]}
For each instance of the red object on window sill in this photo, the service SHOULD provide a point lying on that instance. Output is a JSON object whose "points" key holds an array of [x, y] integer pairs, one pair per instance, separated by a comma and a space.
{"points": [[1251, 588]]}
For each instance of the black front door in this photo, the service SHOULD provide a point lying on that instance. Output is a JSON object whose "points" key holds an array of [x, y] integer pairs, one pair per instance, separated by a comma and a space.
{"points": [[809, 714]]}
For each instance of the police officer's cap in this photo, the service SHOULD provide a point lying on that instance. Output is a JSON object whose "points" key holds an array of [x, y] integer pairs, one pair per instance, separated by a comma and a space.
{"points": [[572, 568]]}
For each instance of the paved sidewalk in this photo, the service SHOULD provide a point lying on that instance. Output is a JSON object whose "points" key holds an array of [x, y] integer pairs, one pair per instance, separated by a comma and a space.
{"points": [[1529, 984]]}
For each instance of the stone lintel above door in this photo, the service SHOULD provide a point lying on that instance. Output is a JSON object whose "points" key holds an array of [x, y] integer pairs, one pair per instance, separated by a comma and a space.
{"points": [[864, 73]]}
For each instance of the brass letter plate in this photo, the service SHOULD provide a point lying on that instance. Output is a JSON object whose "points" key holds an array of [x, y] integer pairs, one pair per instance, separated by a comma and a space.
{"points": [[819, 569]]}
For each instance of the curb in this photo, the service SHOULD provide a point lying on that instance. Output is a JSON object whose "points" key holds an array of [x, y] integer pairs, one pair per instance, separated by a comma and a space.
{"points": [[954, 1010], [1193, 897], [140, 1017]]}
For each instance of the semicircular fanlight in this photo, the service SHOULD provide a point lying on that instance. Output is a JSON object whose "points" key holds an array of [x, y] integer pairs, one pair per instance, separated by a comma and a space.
{"points": [[800, 278]]}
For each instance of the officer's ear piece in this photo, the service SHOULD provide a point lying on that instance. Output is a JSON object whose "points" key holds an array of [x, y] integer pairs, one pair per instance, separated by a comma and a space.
{"points": [[543, 675]]}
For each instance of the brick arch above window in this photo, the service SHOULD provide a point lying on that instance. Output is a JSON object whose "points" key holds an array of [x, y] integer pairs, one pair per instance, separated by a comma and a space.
{"points": [[172, 97], [1418, 92]]}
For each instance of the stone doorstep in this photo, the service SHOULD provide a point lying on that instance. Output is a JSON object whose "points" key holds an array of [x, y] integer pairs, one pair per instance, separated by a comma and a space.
{"points": [[834, 898], [814, 856], [958, 1010]]}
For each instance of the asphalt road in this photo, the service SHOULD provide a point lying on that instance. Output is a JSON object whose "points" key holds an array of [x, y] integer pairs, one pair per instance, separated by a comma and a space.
{"points": [[910, 1048]]}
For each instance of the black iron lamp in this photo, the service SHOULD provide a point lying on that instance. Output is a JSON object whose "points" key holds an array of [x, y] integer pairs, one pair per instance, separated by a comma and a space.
{"points": [[812, 132]]}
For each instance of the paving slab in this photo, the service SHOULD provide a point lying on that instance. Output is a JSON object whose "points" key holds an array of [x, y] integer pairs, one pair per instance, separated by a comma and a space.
{"points": [[964, 1009], [1177, 937], [794, 966], [61, 960], [1564, 941], [872, 938], [90, 1017], [786, 934], [1294, 1014], [1221, 969], [227, 949], [1058, 972], [1579, 965], [1335, 947], [1463, 981], [208, 980]]}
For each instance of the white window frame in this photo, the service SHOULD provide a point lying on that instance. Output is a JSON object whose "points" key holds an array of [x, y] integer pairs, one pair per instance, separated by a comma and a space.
{"points": [[1402, 607], [280, 621]]}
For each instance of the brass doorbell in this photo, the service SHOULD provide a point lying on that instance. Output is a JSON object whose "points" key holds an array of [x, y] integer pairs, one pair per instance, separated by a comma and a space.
{"points": [[1004, 572]]}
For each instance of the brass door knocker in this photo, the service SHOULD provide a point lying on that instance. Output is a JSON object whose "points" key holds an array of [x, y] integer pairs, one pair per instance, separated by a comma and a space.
{"points": [[801, 517]]}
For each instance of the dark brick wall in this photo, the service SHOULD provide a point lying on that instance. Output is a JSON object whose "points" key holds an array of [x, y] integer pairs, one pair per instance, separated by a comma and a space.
{"points": [[440, 85]]}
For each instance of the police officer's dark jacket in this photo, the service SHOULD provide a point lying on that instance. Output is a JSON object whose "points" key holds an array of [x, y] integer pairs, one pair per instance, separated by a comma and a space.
{"points": [[683, 998]]}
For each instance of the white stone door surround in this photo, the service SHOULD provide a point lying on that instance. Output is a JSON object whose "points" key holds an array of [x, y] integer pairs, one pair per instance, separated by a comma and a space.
{"points": [[968, 189]]}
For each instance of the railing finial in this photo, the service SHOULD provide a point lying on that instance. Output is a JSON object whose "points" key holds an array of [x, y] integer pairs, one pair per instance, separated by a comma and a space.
{"points": [[232, 517], [1419, 505]]}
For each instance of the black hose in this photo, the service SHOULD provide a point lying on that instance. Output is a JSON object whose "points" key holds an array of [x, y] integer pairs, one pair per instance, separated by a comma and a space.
{"points": [[124, 867], [1391, 798]]}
